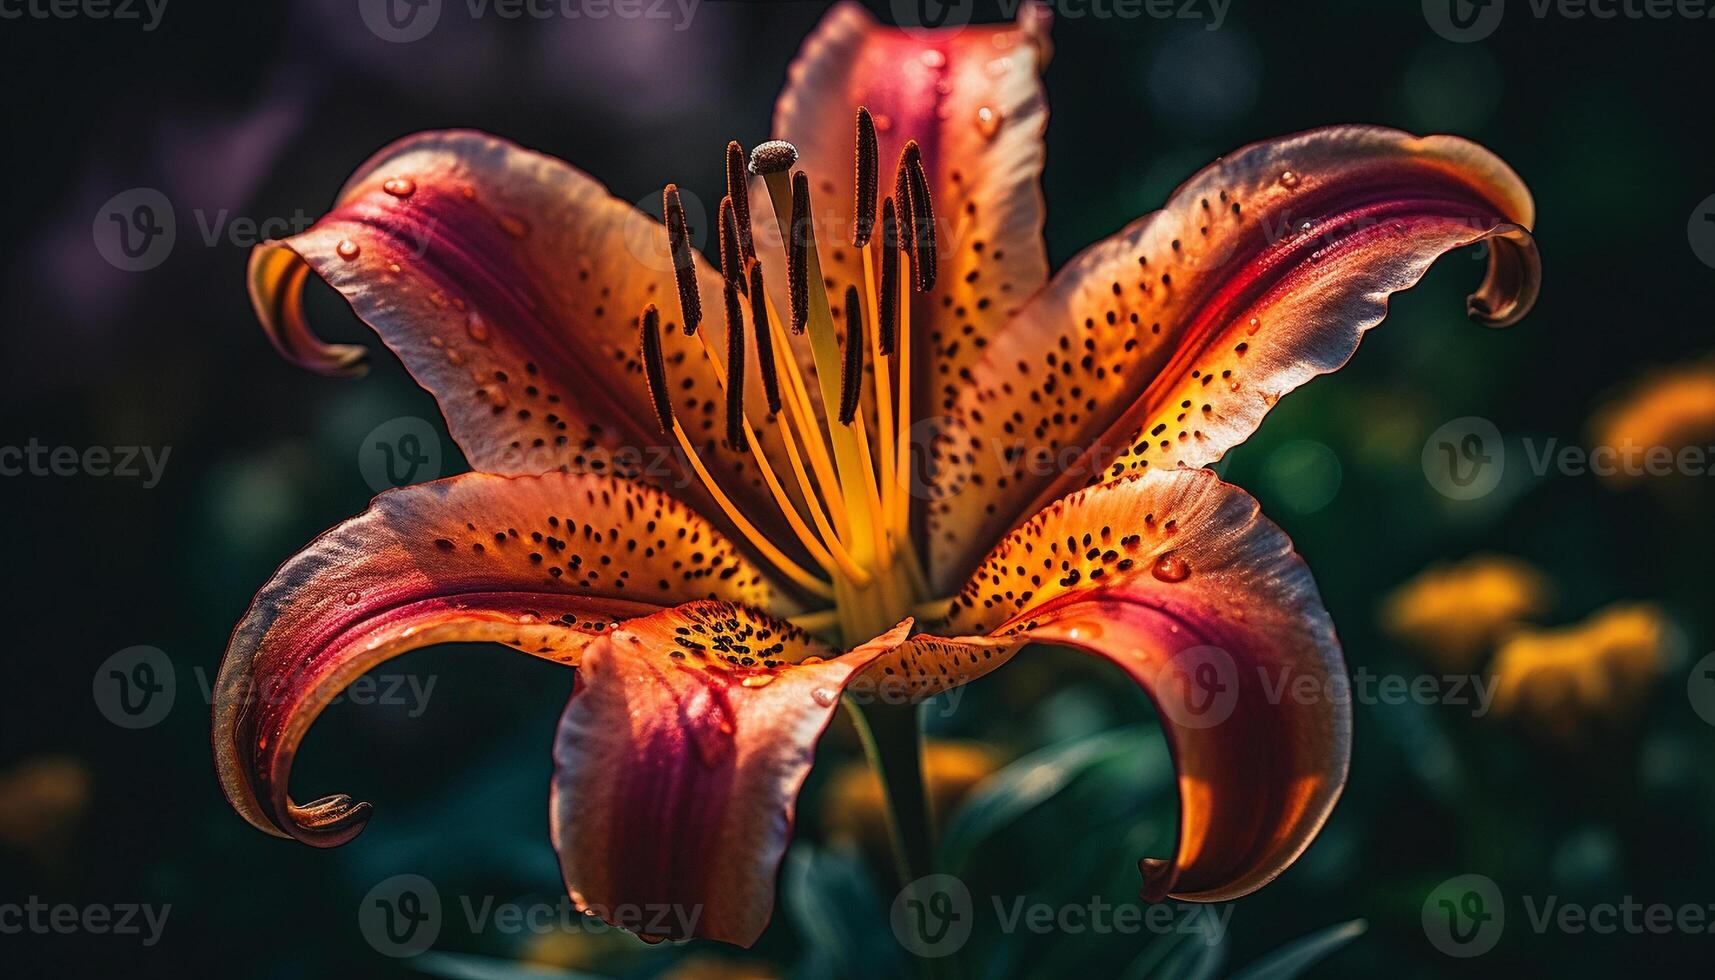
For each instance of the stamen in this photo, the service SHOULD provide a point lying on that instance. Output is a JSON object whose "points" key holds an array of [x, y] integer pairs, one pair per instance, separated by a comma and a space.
{"points": [[923, 252], [732, 250], [902, 203], [851, 379], [887, 309], [864, 221], [684, 265], [798, 252], [764, 341], [734, 369], [738, 189], [772, 157], [655, 368]]}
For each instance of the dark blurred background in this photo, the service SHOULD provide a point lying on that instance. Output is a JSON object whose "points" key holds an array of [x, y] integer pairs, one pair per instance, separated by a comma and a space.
{"points": [[247, 117]]}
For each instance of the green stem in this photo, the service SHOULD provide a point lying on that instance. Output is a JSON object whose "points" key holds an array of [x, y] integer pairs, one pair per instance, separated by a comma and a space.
{"points": [[894, 744]]}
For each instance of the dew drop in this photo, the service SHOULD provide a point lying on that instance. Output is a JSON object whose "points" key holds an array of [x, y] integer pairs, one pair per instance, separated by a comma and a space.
{"points": [[514, 226], [348, 249], [477, 327], [351, 598], [1252, 327], [400, 186], [823, 696], [1171, 568], [883, 122], [758, 680], [1288, 179], [933, 58], [988, 121]]}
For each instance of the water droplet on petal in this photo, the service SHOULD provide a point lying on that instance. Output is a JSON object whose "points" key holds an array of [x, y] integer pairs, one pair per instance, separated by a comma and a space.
{"points": [[1171, 568], [348, 249], [1288, 179], [351, 598], [477, 327], [883, 122], [988, 121], [1252, 327], [758, 680], [514, 226], [399, 186], [823, 696], [933, 58]]}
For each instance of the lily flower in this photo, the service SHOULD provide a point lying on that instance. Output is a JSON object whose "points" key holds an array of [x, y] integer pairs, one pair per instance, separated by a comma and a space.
{"points": [[806, 541]]}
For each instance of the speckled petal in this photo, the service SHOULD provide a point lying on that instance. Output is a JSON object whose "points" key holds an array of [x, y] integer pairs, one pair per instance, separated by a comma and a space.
{"points": [[1179, 580], [679, 761], [1165, 345], [541, 564]]}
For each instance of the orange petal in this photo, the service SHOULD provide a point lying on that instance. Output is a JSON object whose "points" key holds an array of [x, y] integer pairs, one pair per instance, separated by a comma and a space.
{"points": [[678, 765], [972, 98], [510, 284], [541, 564], [1179, 579], [1165, 345]]}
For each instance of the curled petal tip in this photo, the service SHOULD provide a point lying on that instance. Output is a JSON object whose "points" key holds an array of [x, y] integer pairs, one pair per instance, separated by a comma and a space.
{"points": [[277, 275], [1510, 288]]}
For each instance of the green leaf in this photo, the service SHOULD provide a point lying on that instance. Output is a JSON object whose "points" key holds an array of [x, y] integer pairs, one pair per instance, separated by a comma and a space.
{"points": [[831, 898], [1138, 753], [1301, 954]]}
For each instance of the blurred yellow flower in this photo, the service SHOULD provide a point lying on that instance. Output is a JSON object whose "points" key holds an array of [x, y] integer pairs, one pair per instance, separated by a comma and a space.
{"points": [[1599, 671], [41, 803], [1664, 423], [1454, 613], [854, 808]]}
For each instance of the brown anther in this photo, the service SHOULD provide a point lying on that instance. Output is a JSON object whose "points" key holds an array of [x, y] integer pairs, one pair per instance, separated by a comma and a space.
{"points": [[655, 367], [738, 188], [798, 252], [732, 252], [772, 157], [887, 316], [734, 369], [922, 242], [851, 377], [764, 340], [863, 221], [684, 264]]}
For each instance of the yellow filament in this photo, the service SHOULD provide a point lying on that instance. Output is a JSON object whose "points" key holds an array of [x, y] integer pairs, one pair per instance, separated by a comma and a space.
{"points": [[810, 542], [883, 388], [787, 566], [797, 400], [901, 516]]}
